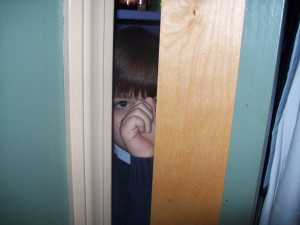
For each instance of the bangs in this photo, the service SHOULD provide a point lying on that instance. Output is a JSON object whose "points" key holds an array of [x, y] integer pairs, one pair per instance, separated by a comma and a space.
{"points": [[135, 63], [136, 84]]}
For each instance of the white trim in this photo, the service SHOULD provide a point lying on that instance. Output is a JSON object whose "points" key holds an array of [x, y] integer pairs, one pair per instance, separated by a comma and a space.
{"points": [[88, 95], [74, 109]]}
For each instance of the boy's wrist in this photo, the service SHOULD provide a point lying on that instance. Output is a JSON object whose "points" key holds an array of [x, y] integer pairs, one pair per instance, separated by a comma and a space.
{"points": [[141, 152]]}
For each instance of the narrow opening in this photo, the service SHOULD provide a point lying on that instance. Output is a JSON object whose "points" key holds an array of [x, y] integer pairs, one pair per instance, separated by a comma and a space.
{"points": [[135, 69]]}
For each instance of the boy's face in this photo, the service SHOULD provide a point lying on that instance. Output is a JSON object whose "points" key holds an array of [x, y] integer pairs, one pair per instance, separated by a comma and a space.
{"points": [[121, 106]]}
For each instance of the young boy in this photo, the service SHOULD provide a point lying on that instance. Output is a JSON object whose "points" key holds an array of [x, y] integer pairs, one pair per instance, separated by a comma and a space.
{"points": [[135, 82]]}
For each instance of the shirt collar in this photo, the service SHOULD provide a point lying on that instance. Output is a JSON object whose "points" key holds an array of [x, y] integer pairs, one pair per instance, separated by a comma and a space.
{"points": [[122, 154]]}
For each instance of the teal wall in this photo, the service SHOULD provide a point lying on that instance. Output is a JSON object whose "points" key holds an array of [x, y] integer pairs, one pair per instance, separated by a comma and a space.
{"points": [[257, 74], [33, 169]]}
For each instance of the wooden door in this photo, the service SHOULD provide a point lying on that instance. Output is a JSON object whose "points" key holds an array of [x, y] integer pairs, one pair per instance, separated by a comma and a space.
{"points": [[198, 66], [206, 86]]}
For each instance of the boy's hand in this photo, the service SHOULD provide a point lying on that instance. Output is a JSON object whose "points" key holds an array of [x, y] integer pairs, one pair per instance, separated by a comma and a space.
{"points": [[138, 128]]}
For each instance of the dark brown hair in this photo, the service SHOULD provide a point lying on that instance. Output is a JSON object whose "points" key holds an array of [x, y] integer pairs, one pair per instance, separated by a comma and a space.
{"points": [[135, 63]]}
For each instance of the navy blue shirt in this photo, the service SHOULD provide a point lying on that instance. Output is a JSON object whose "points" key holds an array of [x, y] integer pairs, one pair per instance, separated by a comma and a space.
{"points": [[131, 191]]}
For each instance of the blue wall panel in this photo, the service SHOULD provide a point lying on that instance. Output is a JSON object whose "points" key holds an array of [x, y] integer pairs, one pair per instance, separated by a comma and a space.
{"points": [[253, 101], [33, 168]]}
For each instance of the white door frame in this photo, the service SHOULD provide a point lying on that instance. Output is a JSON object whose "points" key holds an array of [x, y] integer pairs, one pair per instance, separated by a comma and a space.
{"points": [[88, 42]]}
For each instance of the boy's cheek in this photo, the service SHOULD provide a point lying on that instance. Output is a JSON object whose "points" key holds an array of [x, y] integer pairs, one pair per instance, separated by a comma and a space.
{"points": [[120, 113], [117, 139]]}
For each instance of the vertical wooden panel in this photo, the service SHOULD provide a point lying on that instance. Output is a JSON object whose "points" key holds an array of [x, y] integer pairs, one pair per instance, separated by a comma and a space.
{"points": [[198, 65]]}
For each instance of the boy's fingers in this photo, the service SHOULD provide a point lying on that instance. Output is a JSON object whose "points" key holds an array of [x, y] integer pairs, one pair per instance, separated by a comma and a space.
{"points": [[133, 123], [136, 119], [140, 118], [152, 103], [144, 106]]}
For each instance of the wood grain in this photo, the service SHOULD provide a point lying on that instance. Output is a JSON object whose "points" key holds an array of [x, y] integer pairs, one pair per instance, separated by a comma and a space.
{"points": [[198, 67]]}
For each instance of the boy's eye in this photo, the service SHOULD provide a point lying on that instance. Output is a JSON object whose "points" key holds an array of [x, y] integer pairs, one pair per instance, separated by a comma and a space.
{"points": [[122, 104]]}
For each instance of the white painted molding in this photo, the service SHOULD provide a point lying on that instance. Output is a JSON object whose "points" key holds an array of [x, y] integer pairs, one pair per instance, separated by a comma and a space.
{"points": [[88, 95]]}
